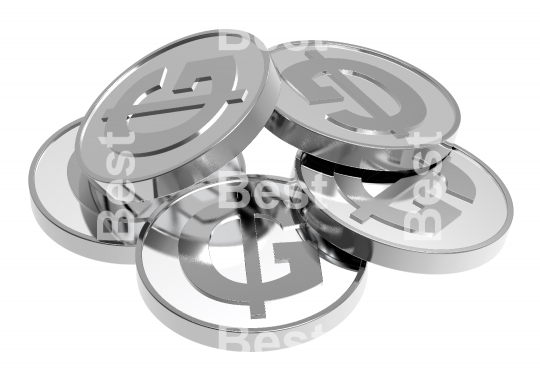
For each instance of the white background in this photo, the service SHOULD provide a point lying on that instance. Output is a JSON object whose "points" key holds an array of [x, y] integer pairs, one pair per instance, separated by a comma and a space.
{"points": [[63, 314]]}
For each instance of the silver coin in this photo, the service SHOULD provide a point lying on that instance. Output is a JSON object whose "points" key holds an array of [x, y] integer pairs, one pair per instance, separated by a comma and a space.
{"points": [[223, 265], [449, 219], [358, 107], [178, 115], [64, 203]]}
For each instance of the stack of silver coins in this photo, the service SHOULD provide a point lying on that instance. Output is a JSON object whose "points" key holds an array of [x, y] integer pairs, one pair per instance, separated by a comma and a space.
{"points": [[153, 175]]}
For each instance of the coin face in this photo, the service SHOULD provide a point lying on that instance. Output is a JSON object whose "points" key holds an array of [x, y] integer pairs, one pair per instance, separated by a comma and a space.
{"points": [[180, 113], [224, 265], [359, 107], [451, 218], [77, 217]]}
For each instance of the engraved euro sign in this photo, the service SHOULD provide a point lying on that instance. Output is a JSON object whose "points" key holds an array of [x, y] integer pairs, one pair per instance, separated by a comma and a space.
{"points": [[412, 108], [457, 182], [222, 71], [194, 255]]}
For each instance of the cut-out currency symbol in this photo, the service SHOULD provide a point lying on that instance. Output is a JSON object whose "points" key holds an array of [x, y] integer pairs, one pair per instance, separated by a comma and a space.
{"points": [[457, 182], [412, 108], [223, 74], [305, 269]]}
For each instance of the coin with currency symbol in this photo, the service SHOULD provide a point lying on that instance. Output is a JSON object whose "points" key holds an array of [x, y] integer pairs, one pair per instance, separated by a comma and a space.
{"points": [[451, 218], [358, 107], [178, 115], [223, 264]]}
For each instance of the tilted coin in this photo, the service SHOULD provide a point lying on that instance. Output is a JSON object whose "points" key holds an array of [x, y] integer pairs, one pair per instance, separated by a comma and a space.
{"points": [[178, 115], [222, 264], [451, 218], [65, 205], [358, 107]]}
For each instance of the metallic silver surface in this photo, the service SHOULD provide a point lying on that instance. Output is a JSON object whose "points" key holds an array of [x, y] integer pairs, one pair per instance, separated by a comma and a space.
{"points": [[65, 206], [219, 268], [88, 189], [359, 107], [328, 251], [181, 113], [381, 223]]}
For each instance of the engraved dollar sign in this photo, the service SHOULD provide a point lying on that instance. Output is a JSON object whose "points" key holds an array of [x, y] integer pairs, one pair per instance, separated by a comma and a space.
{"points": [[412, 108], [193, 246], [457, 183], [223, 74]]}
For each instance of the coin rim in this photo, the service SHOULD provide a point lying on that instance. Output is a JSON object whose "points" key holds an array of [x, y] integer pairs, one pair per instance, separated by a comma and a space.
{"points": [[65, 236]]}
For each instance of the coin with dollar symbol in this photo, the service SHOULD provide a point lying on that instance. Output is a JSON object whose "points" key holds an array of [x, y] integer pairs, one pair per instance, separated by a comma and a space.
{"points": [[359, 107], [178, 114], [451, 218], [176, 117], [224, 264]]}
